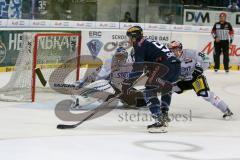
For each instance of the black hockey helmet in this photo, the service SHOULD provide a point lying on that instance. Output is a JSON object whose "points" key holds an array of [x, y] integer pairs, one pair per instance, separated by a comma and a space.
{"points": [[135, 32]]}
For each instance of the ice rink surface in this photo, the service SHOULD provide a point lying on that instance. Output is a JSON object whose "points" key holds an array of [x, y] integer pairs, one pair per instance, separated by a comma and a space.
{"points": [[28, 130]]}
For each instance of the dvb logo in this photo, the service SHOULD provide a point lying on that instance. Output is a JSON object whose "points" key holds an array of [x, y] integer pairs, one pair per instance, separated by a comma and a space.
{"points": [[197, 17]]}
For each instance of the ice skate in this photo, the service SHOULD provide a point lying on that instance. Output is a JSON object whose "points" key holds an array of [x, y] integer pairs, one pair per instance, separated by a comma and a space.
{"points": [[160, 126], [228, 114]]}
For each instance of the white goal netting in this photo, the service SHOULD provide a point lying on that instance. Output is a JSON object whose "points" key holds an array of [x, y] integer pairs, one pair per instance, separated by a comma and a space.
{"points": [[47, 51]]}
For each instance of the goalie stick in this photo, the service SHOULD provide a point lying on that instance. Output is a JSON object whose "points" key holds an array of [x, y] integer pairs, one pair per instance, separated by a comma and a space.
{"points": [[65, 126], [40, 76]]}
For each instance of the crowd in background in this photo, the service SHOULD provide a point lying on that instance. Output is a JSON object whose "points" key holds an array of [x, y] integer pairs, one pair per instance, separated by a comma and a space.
{"points": [[88, 10], [216, 3]]}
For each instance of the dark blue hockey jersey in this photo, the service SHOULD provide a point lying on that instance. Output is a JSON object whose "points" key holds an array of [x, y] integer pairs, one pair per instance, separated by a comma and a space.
{"points": [[152, 51], [148, 51]]}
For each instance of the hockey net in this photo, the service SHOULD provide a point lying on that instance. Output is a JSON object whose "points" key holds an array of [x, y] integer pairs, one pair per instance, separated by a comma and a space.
{"points": [[47, 51]]}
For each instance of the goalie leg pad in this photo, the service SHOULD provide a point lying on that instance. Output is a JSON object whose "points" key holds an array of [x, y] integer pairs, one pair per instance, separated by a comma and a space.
{"points": [[200, 86], [99, 89]]}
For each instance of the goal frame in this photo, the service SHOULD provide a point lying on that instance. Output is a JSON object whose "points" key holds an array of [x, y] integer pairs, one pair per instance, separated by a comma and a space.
{"points": [[35, 52]]}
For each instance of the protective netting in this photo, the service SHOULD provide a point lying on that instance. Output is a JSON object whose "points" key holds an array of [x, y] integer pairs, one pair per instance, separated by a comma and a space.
{"points": [[52, 51]]}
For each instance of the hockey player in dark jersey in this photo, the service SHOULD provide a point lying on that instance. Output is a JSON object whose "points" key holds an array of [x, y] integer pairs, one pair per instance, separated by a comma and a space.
{"points": [[153, 57]]}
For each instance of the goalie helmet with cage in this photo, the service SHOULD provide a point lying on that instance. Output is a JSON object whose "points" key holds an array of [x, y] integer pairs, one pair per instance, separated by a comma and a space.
{"points": [[121, 54]]}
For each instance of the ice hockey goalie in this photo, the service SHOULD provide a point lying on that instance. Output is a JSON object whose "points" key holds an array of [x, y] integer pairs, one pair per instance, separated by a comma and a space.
{"points": [[113, 72]]}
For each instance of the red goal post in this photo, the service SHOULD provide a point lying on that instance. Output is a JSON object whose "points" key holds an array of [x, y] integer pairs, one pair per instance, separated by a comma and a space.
{"points": [[35, 53]]}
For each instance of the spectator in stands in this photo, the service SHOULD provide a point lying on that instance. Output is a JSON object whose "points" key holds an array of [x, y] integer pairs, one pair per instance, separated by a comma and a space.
{"points": [[170, 18], [224, 3], [67, 8], [238, 3], [203, 3], [88, 15], [233, 7], [127, 17]]}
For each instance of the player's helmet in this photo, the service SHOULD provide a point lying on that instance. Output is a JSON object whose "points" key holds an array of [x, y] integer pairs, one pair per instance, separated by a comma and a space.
{"points": [[175, 45], [222, 14], [135, 32]]}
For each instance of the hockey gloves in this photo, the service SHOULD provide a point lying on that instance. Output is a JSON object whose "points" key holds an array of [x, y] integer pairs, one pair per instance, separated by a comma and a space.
{"points": [[197, 71]]}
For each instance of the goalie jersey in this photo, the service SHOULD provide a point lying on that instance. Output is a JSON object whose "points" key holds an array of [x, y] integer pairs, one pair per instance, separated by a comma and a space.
{"points": [[115, 70], [189, 59]]}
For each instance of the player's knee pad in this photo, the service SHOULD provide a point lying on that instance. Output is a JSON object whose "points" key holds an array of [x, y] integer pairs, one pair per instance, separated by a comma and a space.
{"points": [[212, 98], [200, 86]]}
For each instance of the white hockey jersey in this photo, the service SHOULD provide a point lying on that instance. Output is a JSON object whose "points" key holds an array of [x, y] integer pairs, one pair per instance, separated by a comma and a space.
{"points": [[189, 59], [113, 70]]}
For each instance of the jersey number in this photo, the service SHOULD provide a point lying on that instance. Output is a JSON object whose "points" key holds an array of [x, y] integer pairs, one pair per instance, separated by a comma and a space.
{"points": [[200, 54], [163, 49], [160, 46]]}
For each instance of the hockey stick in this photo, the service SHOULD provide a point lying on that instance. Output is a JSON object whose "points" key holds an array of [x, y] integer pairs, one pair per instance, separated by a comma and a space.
{"points": [[65, 126]]}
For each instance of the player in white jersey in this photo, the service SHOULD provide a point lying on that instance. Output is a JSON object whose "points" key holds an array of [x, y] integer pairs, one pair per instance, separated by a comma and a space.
{"points": [[115, 71], [193, 64]]}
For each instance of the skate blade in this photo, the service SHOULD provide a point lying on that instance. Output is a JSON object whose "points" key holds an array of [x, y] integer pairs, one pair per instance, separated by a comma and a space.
{"points": [[158, 130], [228, 118]]}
